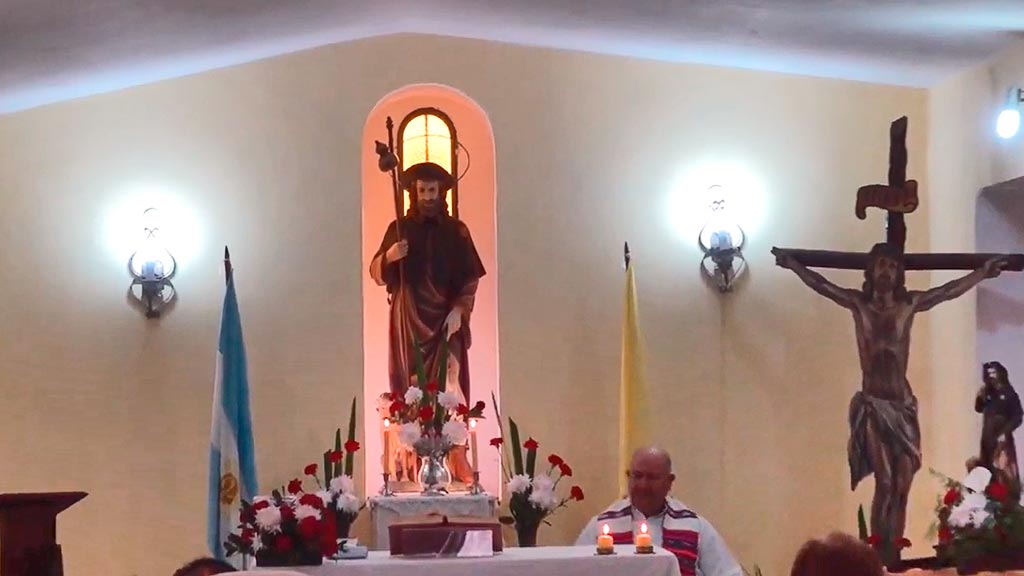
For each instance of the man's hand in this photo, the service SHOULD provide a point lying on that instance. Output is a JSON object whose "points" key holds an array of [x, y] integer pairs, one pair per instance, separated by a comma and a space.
{"points": [[785, 260], [453, 322], [397, 251], [994, 266]]}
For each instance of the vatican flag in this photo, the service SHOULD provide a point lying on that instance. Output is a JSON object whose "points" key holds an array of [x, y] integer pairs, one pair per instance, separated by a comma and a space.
{"points": [[634, 410]]}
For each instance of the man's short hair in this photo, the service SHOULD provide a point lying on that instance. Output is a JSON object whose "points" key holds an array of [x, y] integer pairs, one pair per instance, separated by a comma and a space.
{"points": [[204, 566], [838, 555]]}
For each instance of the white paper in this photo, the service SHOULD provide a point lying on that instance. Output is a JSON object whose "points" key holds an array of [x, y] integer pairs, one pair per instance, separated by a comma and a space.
{"points": [[478, 544]]}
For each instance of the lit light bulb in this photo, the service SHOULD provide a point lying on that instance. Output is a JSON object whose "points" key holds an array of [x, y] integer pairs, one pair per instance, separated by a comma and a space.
{"points": [[1008, 123]]}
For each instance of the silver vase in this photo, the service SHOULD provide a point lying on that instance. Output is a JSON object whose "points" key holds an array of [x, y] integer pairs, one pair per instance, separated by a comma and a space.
{"points": [[434, 475]]}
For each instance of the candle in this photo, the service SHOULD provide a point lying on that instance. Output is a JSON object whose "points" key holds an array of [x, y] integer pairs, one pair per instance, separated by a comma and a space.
{"points": [[643, 540], [605, 544], [387, 445], [472, 441]]}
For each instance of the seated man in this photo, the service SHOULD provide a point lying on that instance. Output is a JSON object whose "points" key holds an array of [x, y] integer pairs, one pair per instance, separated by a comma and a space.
{"points": [[205, 566], [694, 541]]}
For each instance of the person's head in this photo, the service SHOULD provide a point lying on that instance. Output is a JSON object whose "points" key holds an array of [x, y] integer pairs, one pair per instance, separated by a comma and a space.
{"points": [[427, 184], [994, 374], [884, 273], [204, 567], [650, 479], [837, 555]]}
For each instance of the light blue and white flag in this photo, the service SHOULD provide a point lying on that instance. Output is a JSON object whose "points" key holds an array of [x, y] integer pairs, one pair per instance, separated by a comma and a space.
{"points": [[232, 451]]}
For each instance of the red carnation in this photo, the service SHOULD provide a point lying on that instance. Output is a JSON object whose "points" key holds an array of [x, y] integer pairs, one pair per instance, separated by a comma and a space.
{"points": [[431, 387], [555, 460], [310, 470], [309, 527], [576, 493], [873, 540], [335, 456], [496, 442], [397, 406], [530, 444], [951, 497], [247, 516], [479, 406], [903, 543], [462, 410], [998, 491], [565, 469], [295, 486], [351, 446], [945, 534], [283, 543], [426, 412], [287, 513], [248, 534], [261, 505], [311, 500]]}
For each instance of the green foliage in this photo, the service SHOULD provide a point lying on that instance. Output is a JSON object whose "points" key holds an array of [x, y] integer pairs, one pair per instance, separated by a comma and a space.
{"points": [[516, 447], [862, 524]]}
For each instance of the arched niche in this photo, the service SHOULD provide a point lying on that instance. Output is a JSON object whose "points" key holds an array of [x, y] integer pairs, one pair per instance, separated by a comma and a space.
{"points": [[476, 207]]}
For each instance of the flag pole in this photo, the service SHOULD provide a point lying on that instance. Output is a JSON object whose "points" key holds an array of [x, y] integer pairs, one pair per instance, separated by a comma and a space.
{"points": [[228, 269], [625, 253]]}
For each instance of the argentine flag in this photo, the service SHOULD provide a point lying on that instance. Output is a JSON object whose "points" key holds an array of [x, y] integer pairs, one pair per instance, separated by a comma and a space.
{"points": [[232, 452]]}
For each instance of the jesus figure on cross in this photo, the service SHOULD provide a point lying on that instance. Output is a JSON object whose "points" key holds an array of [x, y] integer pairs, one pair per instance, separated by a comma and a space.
{"points": [[884, 434], [885, 438]]}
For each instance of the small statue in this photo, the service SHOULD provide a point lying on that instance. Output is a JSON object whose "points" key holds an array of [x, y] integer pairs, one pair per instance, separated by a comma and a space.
{"points": [[1000, 406]]}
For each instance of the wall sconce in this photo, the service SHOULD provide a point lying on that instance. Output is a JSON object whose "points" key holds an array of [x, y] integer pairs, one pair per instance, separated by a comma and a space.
{"points": [[152, 267], [1008, 122], [722, 240]]}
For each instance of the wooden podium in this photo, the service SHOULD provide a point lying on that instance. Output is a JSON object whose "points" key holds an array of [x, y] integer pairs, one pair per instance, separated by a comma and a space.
{"points": [[28, 532]]}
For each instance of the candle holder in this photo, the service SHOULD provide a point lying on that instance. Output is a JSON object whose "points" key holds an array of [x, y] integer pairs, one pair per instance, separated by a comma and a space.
{"points": [[476, 489], [645, 549], [605, 551], [385, 490]]}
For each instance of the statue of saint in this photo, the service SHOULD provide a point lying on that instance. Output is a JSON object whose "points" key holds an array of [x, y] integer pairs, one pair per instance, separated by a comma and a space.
{"points": [[1000, 407], [885, 439], [431, 274]]}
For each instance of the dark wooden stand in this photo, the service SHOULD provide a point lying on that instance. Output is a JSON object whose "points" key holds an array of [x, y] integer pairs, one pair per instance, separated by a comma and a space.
{"points": [[28, 533]]}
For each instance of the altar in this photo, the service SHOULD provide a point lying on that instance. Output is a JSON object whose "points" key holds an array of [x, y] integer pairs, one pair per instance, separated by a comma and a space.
{"points": [[384, 510], [544, 561]]}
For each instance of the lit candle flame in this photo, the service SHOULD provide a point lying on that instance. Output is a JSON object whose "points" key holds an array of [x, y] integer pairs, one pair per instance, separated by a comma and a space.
{"points": [[387, 422], [472, 422], [643, 527], [606, 530]]}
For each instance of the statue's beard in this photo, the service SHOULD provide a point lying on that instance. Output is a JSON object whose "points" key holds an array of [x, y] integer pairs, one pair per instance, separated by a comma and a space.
{"points": [[429, 208]]}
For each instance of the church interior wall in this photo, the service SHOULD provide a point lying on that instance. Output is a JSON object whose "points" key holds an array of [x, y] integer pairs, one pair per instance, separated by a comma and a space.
{"points": [[751, 388]]}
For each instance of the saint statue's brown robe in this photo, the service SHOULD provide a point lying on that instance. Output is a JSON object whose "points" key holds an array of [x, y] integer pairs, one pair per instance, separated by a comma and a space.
{"points": [[441, 272]]}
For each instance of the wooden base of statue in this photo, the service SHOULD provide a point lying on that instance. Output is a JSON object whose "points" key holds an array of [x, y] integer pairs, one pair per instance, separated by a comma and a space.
{"points": [[28, 532]]}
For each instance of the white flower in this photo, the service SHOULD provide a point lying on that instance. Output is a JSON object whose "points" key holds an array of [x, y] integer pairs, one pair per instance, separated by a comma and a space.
{"points": [[978, 479], [409, 433], [306, 511], [455, 432], [450, 400], [543, 499], [348, 503], [519, 483], [343, 485], [970, 512], [543, 483], [269, 519], [413, 395], [325, 496]]}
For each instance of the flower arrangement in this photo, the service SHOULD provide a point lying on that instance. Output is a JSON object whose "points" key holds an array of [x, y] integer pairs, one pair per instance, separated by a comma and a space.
{"points": [[293, 527], [978, 521], [533, 495], [888, 549], [431, 418]]}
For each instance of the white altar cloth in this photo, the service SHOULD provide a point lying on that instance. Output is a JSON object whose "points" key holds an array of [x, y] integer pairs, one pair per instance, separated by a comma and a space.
{"points": [[543, 561], [384, 510]]}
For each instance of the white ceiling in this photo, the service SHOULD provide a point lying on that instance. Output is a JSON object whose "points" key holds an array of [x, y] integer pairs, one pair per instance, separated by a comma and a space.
{"points": [[52, 50]]}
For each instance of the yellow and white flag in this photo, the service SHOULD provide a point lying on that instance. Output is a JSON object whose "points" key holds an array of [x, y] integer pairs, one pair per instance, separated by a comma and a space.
{"points": [[634, 410]]}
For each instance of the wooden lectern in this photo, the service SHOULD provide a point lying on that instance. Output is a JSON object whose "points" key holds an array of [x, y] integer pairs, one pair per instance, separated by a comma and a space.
{"points": [[28, 532]]}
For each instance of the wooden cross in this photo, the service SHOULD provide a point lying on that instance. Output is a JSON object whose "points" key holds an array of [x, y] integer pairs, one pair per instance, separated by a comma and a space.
{"points": [[898, 198]]}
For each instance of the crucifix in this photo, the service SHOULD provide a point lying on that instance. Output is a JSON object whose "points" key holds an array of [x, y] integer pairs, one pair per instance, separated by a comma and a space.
{"points": [[885, 438]]}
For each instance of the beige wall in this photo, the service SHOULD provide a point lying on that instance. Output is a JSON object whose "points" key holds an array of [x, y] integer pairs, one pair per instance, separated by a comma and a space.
{"points": [[751, 388]]}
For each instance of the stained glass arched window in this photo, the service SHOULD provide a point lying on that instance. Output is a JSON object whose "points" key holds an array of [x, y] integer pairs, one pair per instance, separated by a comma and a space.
{"points": [[428, 135]]}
